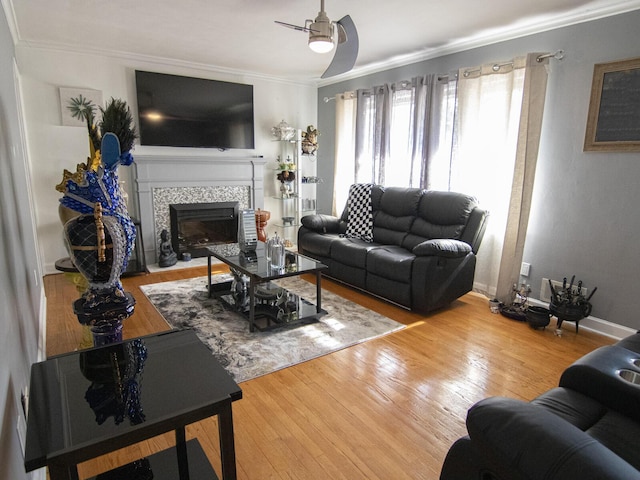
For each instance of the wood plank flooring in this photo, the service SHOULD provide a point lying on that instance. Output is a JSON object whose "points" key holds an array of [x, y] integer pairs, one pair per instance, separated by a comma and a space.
{"points": [[385, 409]]}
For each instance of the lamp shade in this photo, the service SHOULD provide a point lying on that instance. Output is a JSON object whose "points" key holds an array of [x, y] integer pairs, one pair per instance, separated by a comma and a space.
{"points": [[320, 45]]}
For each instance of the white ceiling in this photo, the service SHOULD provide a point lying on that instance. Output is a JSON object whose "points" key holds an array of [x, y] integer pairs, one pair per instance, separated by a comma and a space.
{"points": [[241, 36]]}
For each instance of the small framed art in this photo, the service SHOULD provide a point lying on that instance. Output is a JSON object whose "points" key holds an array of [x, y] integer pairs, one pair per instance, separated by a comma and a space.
{"points": [[613, 123]]}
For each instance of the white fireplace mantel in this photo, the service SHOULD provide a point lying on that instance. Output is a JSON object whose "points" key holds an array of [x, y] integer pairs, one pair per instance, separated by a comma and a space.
{"points": [[162, 172]]}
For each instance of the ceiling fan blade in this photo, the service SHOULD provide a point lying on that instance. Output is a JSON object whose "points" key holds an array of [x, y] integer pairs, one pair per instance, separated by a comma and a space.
{"points": [[295, 27], [346, 49]]}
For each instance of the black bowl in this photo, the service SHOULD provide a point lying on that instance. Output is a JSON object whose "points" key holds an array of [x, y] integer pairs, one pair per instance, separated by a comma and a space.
{"points": [[538, 317]]}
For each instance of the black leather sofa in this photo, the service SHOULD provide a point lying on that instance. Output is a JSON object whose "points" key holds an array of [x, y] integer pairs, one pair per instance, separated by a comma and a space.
{"points": [[586, 428], [423, 253]]}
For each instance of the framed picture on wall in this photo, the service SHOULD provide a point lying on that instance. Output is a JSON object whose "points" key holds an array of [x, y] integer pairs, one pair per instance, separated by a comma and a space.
{"points": [[613, 124], [67, 93]]}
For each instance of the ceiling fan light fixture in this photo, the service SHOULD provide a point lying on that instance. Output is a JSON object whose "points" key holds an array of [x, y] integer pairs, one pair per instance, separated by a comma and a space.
{"points": [[320, 45], [321, 34]]}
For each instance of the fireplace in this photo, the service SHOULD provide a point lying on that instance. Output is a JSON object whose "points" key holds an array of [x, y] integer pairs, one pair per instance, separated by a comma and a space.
{"points": [[195, 226], [169, 179]]}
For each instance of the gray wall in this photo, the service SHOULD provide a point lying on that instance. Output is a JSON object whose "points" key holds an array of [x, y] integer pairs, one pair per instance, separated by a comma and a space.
{"points": [[21, 294], [584, 216]]}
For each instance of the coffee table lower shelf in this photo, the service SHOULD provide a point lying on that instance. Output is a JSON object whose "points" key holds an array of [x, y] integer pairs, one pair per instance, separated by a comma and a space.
{"points": [[164, 465], [292, 311]]}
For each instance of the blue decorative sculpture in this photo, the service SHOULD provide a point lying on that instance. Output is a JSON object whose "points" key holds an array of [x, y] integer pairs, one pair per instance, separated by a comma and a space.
{"points": [[101, 237]]}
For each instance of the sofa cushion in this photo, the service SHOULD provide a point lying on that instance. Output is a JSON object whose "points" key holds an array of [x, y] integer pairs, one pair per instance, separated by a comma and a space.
{"points": [[440, 215], [395, 211], [392, 262], [351, 251], [318, 245]]}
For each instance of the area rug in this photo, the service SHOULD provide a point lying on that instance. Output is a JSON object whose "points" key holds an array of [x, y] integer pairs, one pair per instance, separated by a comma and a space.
{"points": [[246, 355]]}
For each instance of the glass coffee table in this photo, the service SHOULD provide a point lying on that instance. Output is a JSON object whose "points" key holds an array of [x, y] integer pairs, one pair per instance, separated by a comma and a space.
{"points": [[253, 294]]}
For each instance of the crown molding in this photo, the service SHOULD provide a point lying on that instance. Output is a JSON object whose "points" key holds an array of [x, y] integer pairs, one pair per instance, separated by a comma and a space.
{"points": [[517, 30], [163, 61]]}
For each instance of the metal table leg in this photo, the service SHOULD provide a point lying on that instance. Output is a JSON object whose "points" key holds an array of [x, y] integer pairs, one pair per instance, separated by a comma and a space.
{"points": [[318, 292]]}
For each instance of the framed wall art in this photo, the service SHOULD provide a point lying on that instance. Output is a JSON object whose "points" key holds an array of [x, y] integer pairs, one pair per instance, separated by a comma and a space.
{"points": [[613, 124], [67, 93]]}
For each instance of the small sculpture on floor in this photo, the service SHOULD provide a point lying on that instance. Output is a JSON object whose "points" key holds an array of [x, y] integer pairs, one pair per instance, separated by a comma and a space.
{"points": [[167, 256]]}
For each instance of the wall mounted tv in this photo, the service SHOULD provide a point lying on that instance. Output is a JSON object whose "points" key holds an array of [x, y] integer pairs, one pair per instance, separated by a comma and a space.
{"points": [[181, 111]]}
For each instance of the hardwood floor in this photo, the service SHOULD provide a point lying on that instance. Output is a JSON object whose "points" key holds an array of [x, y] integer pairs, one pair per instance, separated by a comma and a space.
{"points": [[386, 409]]}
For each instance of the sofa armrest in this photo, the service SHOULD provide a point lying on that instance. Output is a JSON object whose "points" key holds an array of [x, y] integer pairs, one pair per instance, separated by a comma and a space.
{"points": [[518, 440], [596, 375], [442, 247], [322, 223]]}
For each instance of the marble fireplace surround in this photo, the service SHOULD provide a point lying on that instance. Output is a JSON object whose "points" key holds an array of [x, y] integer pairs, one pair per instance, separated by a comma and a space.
{"points": [[163, 180]]}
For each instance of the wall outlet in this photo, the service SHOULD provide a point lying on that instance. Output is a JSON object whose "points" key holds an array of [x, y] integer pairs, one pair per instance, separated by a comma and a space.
{"points": [[545, 291]]}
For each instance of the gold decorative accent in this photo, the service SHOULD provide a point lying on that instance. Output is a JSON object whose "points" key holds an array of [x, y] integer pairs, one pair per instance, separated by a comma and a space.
{"points": [[77, 177], [97, 214], [90, 248]]}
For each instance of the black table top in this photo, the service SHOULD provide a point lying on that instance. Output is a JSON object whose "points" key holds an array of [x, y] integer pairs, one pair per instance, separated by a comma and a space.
{"points": [[83, 403], [255, 263]]}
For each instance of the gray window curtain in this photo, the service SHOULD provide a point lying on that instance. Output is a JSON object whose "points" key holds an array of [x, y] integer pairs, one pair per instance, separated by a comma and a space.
{"points": [[372, 134], [392, 125], [439, 137]]}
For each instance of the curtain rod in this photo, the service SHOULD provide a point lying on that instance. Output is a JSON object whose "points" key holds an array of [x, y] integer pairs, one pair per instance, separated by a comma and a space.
{"points": [[558, 55], [328, 99]]}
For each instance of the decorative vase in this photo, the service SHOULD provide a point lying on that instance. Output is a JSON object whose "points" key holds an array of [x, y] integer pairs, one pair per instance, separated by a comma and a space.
{"points": [[262, 217], [100, 240], [97, 247]]}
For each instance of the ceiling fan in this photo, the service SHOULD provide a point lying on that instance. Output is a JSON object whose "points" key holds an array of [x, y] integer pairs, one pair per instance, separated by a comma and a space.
{"points": [[322, 37]]}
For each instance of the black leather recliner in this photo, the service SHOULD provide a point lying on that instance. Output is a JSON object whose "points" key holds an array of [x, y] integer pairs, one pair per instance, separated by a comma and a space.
{"points": [[586, 428], [423, 253]]}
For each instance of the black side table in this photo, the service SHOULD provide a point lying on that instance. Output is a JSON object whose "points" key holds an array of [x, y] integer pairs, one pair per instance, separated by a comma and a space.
{"points": [[92, 402]]}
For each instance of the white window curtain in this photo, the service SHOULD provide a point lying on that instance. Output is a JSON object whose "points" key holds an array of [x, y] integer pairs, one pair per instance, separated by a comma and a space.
{"points": [[345, 150], [495, 147]]}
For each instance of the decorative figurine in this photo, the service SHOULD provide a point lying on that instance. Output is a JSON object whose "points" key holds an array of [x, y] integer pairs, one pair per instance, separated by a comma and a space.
{"points": [[167, 256], [310, 140], [262, 217]]}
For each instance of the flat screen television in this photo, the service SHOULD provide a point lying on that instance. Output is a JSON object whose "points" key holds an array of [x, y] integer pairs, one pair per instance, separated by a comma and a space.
{"points": [[179, 111]]}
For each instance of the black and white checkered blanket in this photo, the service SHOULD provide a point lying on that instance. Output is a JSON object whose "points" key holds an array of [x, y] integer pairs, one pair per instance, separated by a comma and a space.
{"points": [[360, 221]]}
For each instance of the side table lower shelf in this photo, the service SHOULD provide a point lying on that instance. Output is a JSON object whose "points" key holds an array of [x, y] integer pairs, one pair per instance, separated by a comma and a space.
{"points": [[164, 465]]}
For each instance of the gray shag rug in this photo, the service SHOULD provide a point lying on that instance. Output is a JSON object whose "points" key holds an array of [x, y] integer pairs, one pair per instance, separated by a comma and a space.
{"points": [[246, 355]]}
